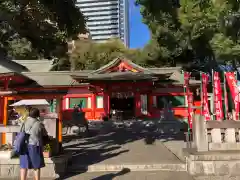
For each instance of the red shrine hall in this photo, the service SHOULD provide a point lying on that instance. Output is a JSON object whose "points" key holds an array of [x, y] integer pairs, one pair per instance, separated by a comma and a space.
{"points": [[120, 88], [123, 90]]}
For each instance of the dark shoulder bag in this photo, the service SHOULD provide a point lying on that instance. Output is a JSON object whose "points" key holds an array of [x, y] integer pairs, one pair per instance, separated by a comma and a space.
{"points": [[20, 143], [45, 138]]}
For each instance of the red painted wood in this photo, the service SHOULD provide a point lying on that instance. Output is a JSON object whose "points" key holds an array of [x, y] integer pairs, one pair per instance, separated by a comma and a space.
{"points": [[93, 100], [6, 82], [121, 66], [1, 111], [50, 88], [106, 103], [77, 95], [63, 103], [150, 104], [138, 104]]}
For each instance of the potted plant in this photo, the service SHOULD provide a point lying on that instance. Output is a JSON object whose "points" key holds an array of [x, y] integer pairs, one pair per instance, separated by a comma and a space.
{"points": [[47, 151], [6, 151]]}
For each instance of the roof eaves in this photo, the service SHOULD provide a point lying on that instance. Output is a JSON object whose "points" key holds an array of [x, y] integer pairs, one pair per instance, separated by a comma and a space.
{"points": [[109, 65]]}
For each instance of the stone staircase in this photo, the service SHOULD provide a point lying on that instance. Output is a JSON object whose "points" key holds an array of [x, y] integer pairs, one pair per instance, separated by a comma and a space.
{"points": [[132, 167]]}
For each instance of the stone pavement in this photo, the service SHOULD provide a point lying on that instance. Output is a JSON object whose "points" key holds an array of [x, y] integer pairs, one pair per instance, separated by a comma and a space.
{"points": [[113, 151], [146, 156], [153, 175], [150, 175], [176, 147]]}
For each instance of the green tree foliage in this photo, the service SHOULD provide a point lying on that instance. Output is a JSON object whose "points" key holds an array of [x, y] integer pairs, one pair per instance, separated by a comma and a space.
{"points": [[162, 19], [208, 29], [90, 55], [38, 28]]}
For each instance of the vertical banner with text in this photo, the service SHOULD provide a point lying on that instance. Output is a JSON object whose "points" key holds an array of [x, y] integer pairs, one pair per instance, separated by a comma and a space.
{"points": [[189, 98], [217, 96], [232, 83], [204, 100]]}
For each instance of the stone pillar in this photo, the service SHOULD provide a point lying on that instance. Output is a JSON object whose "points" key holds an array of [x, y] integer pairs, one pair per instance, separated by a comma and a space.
{"points": [[230, 135], [10, 137], [200, 133], [216, 135]]}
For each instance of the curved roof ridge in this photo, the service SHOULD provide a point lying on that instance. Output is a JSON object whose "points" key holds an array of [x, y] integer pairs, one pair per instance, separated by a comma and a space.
{"points": [[115, 62]]}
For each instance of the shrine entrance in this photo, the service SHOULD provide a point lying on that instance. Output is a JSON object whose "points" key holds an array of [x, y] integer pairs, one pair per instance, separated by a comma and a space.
{"points": [[122, 106]]}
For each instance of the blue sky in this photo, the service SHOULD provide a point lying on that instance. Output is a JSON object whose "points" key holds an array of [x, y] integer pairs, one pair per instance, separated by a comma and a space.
{"points": [[139, 33]]}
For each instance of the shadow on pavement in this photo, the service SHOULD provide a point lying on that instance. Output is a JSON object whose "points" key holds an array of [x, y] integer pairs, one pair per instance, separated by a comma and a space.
{"points": [[112, 175], [107, 144]]}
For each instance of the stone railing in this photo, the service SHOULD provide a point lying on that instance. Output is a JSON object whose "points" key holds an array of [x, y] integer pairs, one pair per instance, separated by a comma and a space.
{"points": [[51, 125], [215, 152], [215, 135]]}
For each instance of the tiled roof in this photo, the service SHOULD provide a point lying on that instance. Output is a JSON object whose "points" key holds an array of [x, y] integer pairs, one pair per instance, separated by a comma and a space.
{"points": [[116, 61], [52, 78], [165, 70], [39, 71], [177, 78], [41, 65], [8, 66]]}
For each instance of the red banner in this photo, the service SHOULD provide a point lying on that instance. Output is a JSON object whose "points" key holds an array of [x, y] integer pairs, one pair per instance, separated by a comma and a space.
{"points": [[232, 83], [189, 97], [204, 100], [218, 108]]}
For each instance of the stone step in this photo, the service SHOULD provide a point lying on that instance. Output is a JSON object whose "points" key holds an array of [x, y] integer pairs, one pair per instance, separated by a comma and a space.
{"points": [[178, 167], [129, 175], [124, 175], [217, 178]]}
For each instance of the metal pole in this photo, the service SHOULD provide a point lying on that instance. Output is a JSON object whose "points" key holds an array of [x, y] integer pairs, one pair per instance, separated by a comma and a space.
{"points": [[213, 93], [225, 96], [238, 92], [201, 89], [186, 105]]}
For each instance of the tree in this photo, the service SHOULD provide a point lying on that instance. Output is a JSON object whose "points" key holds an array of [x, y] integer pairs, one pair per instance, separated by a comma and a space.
{"points": [[202, 32], [91, 55], [39, 28], [162, 19], [215, 29]]}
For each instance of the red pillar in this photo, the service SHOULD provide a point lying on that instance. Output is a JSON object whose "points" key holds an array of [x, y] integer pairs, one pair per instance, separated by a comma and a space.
{"points": [[93, 100], [60, 121], [106, 102], [150, 104], [64, 103], [5, 110], [138, 104], [1, 111]]}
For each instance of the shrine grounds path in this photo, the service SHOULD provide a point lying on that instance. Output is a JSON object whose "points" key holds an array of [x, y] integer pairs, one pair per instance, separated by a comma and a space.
{"points": [[151, 175], [127, 154]]}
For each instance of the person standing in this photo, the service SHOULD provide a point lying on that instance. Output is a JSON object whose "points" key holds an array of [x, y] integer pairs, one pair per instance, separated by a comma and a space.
{"points": [[32, 158]]}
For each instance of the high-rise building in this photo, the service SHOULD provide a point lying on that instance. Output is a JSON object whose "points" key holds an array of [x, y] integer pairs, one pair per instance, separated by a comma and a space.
{"points": [[106, 19]]}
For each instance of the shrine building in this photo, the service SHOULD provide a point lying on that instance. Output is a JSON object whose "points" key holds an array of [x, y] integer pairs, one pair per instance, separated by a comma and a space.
{"points": [[120, 86]]}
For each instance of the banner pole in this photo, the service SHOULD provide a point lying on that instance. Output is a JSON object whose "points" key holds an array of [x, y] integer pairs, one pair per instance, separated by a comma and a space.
{"points": [[213, 95], [201, 89], [225, 95], [186, 104], [237, 92]]}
